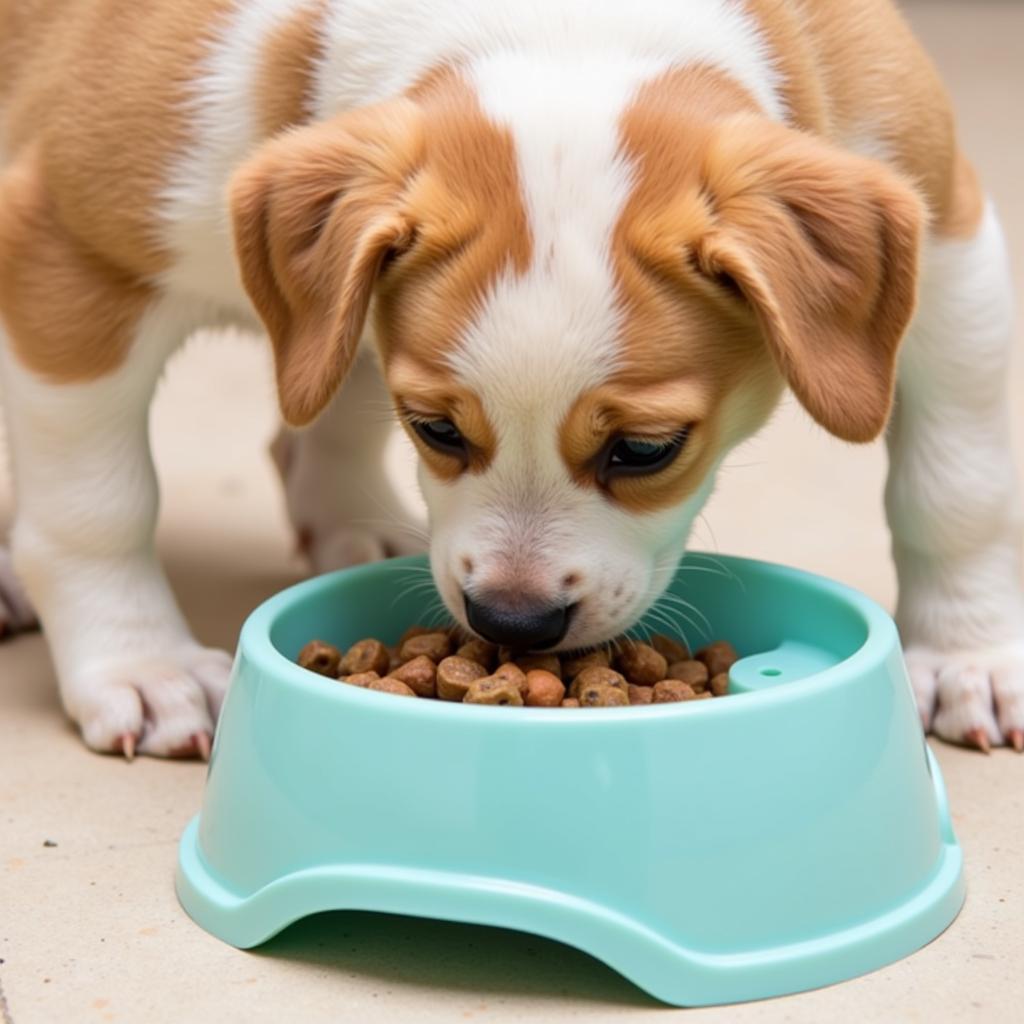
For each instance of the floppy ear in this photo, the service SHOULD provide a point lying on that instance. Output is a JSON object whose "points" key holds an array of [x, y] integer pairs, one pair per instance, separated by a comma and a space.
{"points": [[316, 213], [824, 247]]}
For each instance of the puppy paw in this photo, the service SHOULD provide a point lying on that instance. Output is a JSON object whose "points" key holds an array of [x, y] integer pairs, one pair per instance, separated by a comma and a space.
{"points": [[162, 706], [343, 546], [16, 612], [974, 698]]}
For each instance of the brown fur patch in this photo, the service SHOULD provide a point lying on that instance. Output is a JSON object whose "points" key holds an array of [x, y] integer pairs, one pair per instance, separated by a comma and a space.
{"points": [[284, 88], [102, 94], [693, 356], [71, 315]]}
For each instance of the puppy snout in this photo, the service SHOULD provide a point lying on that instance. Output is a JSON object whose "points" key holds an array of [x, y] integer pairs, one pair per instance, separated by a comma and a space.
{"points": [[513, 620]]}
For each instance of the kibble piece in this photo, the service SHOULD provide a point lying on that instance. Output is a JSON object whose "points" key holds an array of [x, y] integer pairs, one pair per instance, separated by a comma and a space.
{"points": [[514, 674], [493, 690], [545, 662], [479, 651], [454, 675], [543, 689], [720, 685], [573, 666], [719, 657], [415, 631], [570, 702], [641, 664], [669, 690], [366, 656], [360, 678], [671, 650], [436, 646], [420, 675], [705, 695], [693, 672], [391, 685], [640, 694], [601, 695], [320, 657], [596, 675]]}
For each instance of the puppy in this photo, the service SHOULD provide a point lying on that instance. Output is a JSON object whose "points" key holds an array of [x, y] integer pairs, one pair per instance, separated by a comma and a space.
{"points": [[588, 243]]}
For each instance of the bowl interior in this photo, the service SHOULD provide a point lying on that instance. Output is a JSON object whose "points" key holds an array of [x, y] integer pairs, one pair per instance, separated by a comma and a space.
{"points": [[787, 624]]}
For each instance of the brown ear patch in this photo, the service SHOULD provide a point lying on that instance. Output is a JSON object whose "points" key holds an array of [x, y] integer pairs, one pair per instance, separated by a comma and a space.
{"points": [[315, 214], [825, 248]]}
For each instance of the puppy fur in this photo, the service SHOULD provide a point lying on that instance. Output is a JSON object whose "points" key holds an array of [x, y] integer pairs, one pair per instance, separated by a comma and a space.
{"points": [[553, 222]]}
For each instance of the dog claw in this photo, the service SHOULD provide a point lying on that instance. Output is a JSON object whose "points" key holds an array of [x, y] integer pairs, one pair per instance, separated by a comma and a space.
{"points": [[1016, 738], [978, 738], [203, 745], [128, 741]]}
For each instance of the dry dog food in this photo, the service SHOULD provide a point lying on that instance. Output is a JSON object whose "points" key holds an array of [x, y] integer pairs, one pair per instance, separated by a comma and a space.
{"points": [[434, 662]]}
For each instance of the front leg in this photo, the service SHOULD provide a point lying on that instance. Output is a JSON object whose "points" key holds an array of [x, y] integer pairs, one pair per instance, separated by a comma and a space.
{"points": [[130, 673], [344, 507], [952, 498]]}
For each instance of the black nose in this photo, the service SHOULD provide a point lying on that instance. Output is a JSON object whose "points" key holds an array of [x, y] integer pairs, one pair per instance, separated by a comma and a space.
{"points": [[515, 623]]}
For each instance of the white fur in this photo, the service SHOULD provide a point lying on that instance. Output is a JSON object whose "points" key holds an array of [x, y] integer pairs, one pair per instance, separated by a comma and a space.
{"points": [[364, 36], [952, 498], [83, 546]]}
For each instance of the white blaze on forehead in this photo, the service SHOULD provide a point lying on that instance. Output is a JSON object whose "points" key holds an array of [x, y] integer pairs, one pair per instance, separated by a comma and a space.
{"points": [[543, 337]]}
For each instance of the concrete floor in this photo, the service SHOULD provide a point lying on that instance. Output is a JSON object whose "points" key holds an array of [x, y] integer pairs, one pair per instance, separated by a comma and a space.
{"points": [[90, 929]]}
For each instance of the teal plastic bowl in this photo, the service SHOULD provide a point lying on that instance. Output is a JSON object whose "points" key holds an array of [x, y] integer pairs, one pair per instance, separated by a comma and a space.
{"points": [[790, 836]]}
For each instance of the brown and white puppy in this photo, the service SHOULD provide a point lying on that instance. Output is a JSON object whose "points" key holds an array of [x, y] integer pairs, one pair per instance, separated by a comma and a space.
{"points": [[593, 240]]}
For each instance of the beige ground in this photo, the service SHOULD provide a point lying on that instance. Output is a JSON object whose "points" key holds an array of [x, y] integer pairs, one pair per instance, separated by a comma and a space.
{"points": [[90, 929]]}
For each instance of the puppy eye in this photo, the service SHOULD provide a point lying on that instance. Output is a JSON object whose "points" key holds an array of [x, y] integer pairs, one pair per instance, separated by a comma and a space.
{"points": [[442, 435], [638, 456]]}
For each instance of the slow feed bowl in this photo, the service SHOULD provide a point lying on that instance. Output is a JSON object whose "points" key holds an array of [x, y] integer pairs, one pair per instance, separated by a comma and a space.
{"points": [[788, 836]]}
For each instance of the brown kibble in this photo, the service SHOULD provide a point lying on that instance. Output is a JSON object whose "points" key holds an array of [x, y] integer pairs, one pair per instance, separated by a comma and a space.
{"points": [[420, 675], [391, 685], [436, 646], [366, 656], [514, 674], [544, 662], [360, 678], [669, 690], [479, 651], [596, 675], [602, 695], [572, 667], [693, 672], [640, 694], [641, 664], [454, 675], [570, 702], [493, 690], [543, 689], [671, 650], [415, 631], [321, 658], [703, 695], [719, 657], [720, 685]]}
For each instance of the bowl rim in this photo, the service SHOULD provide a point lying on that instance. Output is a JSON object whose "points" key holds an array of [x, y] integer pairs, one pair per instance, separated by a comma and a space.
{"points": [[256, 646]]}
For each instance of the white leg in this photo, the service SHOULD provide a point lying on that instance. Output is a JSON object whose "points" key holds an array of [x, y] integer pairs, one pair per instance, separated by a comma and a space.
{"points": [[952, 498], [344, 508], [128, 668]]}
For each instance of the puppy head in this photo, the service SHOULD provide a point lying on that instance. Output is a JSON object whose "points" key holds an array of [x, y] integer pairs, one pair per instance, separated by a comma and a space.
{"points": [[581, 306]]}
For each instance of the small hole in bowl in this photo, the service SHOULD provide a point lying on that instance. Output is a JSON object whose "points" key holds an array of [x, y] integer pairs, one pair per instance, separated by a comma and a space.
{"points": [[772, 672]]}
